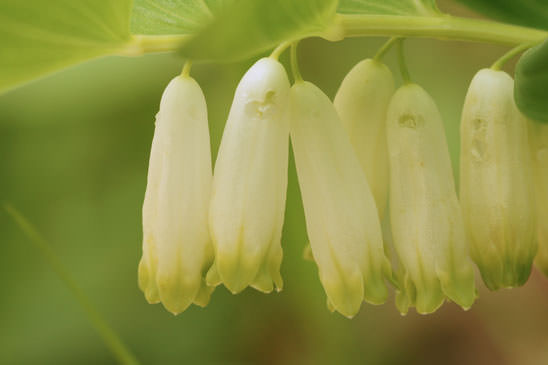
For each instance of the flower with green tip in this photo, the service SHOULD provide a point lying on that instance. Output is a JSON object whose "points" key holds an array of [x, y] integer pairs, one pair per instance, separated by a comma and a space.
{"points": [[341, 217], [425, 215], [496, 183], [538, 138], [362, 101], [176, 244], [250, 183]]}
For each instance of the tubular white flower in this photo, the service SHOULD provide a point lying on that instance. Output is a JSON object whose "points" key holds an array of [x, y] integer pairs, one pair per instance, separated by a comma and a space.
{"points": [[538, 138], [362, 101], [250, 183], [176, 245], [425, 214], [496, 181], [341, 218]]}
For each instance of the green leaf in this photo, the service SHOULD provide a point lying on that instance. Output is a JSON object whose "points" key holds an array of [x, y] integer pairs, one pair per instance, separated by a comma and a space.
{"points": [[532, 13], [531, 83], [38, 37], [158, 17], [249, 27], [393, 7]]}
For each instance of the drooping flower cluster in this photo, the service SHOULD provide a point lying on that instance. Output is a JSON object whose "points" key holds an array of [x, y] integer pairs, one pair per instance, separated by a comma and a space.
{"points": [[372, 145]]}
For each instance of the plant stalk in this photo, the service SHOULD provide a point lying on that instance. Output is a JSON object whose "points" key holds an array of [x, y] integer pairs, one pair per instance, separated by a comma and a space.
{"points": [[444, 27]]}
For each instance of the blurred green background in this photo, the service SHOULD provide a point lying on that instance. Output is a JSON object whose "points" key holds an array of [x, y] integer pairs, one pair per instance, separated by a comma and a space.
{"points": [[73, 158]]}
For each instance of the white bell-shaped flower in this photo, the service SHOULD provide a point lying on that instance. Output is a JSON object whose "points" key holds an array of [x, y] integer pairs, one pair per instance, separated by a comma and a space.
{"points": [[250, 183], [538, 139], [362, 101], [341, 217], [496, 189], [176, 244], [425, 215]]}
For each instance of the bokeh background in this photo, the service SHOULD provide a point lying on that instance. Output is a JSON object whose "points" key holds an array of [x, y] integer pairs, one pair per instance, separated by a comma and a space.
{"points": [[73, 158]]}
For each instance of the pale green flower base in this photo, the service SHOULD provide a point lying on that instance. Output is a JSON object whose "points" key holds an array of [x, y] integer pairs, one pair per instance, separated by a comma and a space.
{"points": [[509, 272], [541, 261], [237, 273], [347, 290], [428, 290], [176, 293]]}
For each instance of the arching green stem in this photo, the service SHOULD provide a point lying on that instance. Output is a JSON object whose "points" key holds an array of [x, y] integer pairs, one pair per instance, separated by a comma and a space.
{"points": [[385, 48], [295, 63], [186, 69], [403, 65], [510, 54], [279, 50], [445, 27]]}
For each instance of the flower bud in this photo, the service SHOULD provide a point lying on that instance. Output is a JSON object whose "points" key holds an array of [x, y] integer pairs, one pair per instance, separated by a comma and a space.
{"points": [[341, 218], [361, 102], [425, 215], [176, 245], [250, 183], [538, 139], [496, 189]]}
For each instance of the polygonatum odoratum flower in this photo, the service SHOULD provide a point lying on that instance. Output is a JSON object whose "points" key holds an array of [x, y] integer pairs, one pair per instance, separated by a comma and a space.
{"points": [[341, 217], [496, 183], [250, 183], [362, 101], [176, 244], [425, 215]]}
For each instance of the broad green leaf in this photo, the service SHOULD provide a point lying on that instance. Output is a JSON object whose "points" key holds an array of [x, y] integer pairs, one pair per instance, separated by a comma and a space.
{"points": [[38, 37], [531, 83], [248, 27], [392, 7], [532, 13], [174, 17]]}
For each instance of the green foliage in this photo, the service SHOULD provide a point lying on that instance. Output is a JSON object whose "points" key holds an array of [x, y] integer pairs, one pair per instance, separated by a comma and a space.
{"points": [[174, 17], [249, 27], [38, 37], [532, 13], [394, 7], [531, 83], [161, 17]]}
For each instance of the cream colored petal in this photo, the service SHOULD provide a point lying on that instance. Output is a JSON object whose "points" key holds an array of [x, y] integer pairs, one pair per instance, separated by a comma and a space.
{"points": [[177, 247], [250, 182], [362, 101], [425, 215], [341, 218], [496, 189], [538, 137]]}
